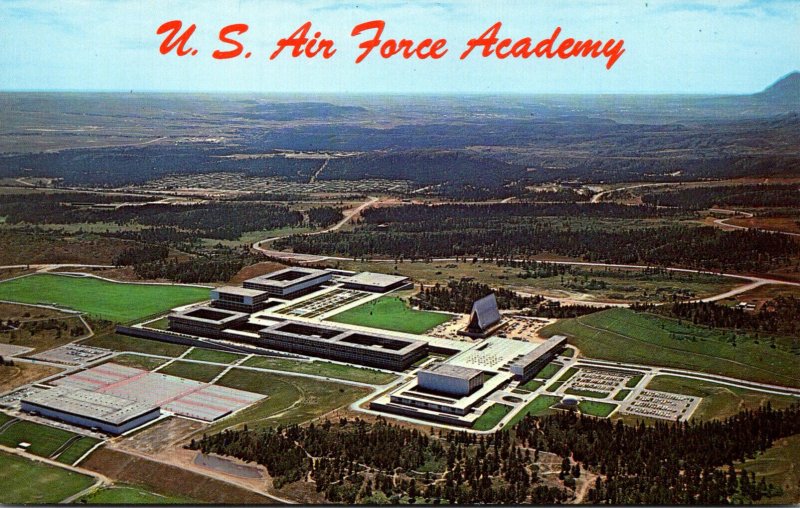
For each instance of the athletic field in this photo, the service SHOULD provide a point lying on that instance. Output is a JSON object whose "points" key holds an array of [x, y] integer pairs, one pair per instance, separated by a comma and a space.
{"points": [[115, 301], [391, 313]]}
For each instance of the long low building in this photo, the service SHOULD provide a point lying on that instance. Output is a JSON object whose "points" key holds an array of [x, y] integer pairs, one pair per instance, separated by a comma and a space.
{"points": [[450, 379], [239, 299], [289, 282], [375, 282], [342, 344], [206, 321], [528, 365], [108, 413]]}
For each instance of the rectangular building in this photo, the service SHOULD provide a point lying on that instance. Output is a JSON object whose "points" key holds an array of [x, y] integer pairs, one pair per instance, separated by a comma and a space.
{"points": [[109, 413], [374, 282], [205, 321], [342, 344], [239, 299], [450, 379], [526, 366], [289, 282]]}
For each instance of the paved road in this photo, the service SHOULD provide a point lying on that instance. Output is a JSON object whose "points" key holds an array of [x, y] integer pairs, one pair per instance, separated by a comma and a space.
{"points": [[736, 214]]}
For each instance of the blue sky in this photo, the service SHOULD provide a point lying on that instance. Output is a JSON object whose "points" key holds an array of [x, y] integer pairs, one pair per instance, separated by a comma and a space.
{"points": [[691, 46]]}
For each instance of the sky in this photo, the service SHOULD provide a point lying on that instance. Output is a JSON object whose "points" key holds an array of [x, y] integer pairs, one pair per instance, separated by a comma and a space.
{"points": [[671, 46]]}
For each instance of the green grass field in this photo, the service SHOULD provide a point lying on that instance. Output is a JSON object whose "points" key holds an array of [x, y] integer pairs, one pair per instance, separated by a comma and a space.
{"points": [[535, 407], [491, 417], [391, 313], [586, 393], [76, 450], [623, 335], [532, 385], [117, 342], [549, 370], [44, 440], [198, 371], [632, 382], [622, 394], [292, 399], [129, 494], [211, 355], [114, 301], [24, 481], [590, 407], [320, 368], [719, 401]]}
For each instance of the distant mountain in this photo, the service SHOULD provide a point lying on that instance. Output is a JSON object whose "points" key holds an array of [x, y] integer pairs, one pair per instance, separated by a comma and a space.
{"points": [[786, 89]]}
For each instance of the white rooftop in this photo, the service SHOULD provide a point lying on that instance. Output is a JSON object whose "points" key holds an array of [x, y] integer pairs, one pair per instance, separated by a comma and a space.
{"points": [[98, 406], [374, 279], [492, 353]]}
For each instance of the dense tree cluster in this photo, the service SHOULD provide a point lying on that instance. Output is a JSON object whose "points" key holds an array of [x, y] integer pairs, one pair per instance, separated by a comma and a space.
{"points": [[353, 461], [666, 463], [210, 220], [699, 198], [323, 216], [458, 296], [432, 235], [211, 266], [780, 315]]}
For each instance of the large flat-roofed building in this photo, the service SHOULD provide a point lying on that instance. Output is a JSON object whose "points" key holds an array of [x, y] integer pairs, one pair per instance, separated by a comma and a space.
{"points": [[342, 344], [205, 321], [375, 282], [109, 413], [531, 363], [289, 282], [239, 299], [450, 379]]}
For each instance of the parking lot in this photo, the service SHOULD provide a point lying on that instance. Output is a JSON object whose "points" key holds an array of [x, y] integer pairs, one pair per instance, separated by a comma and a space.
{"points": [[662, 405], [598, 380], [73, 354]]}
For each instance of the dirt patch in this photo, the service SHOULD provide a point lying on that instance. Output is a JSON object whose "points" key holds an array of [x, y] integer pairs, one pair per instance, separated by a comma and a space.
{"points": [[19, 312], [226, 466], [784, 224], [23, 373], [161, 437], [248, 272], [167, 479]]}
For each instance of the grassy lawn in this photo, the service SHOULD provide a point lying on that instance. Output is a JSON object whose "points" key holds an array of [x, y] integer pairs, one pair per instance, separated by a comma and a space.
{"points": [[590, 407], [76, 450], [622, 394], [113, 301], [138, 361], [535, 407], [129, 494], [532, 385], [632, 382], [586, 393], [778, 465], [24, 481], [44, 440], [719, 401], [623, 335], [554, 386], [491, 417], [391, 313], [549, 370], [197, 371], [291, 399], [159, 324], [568, 374], [211, 355], [117, 342], [320, 368]]}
